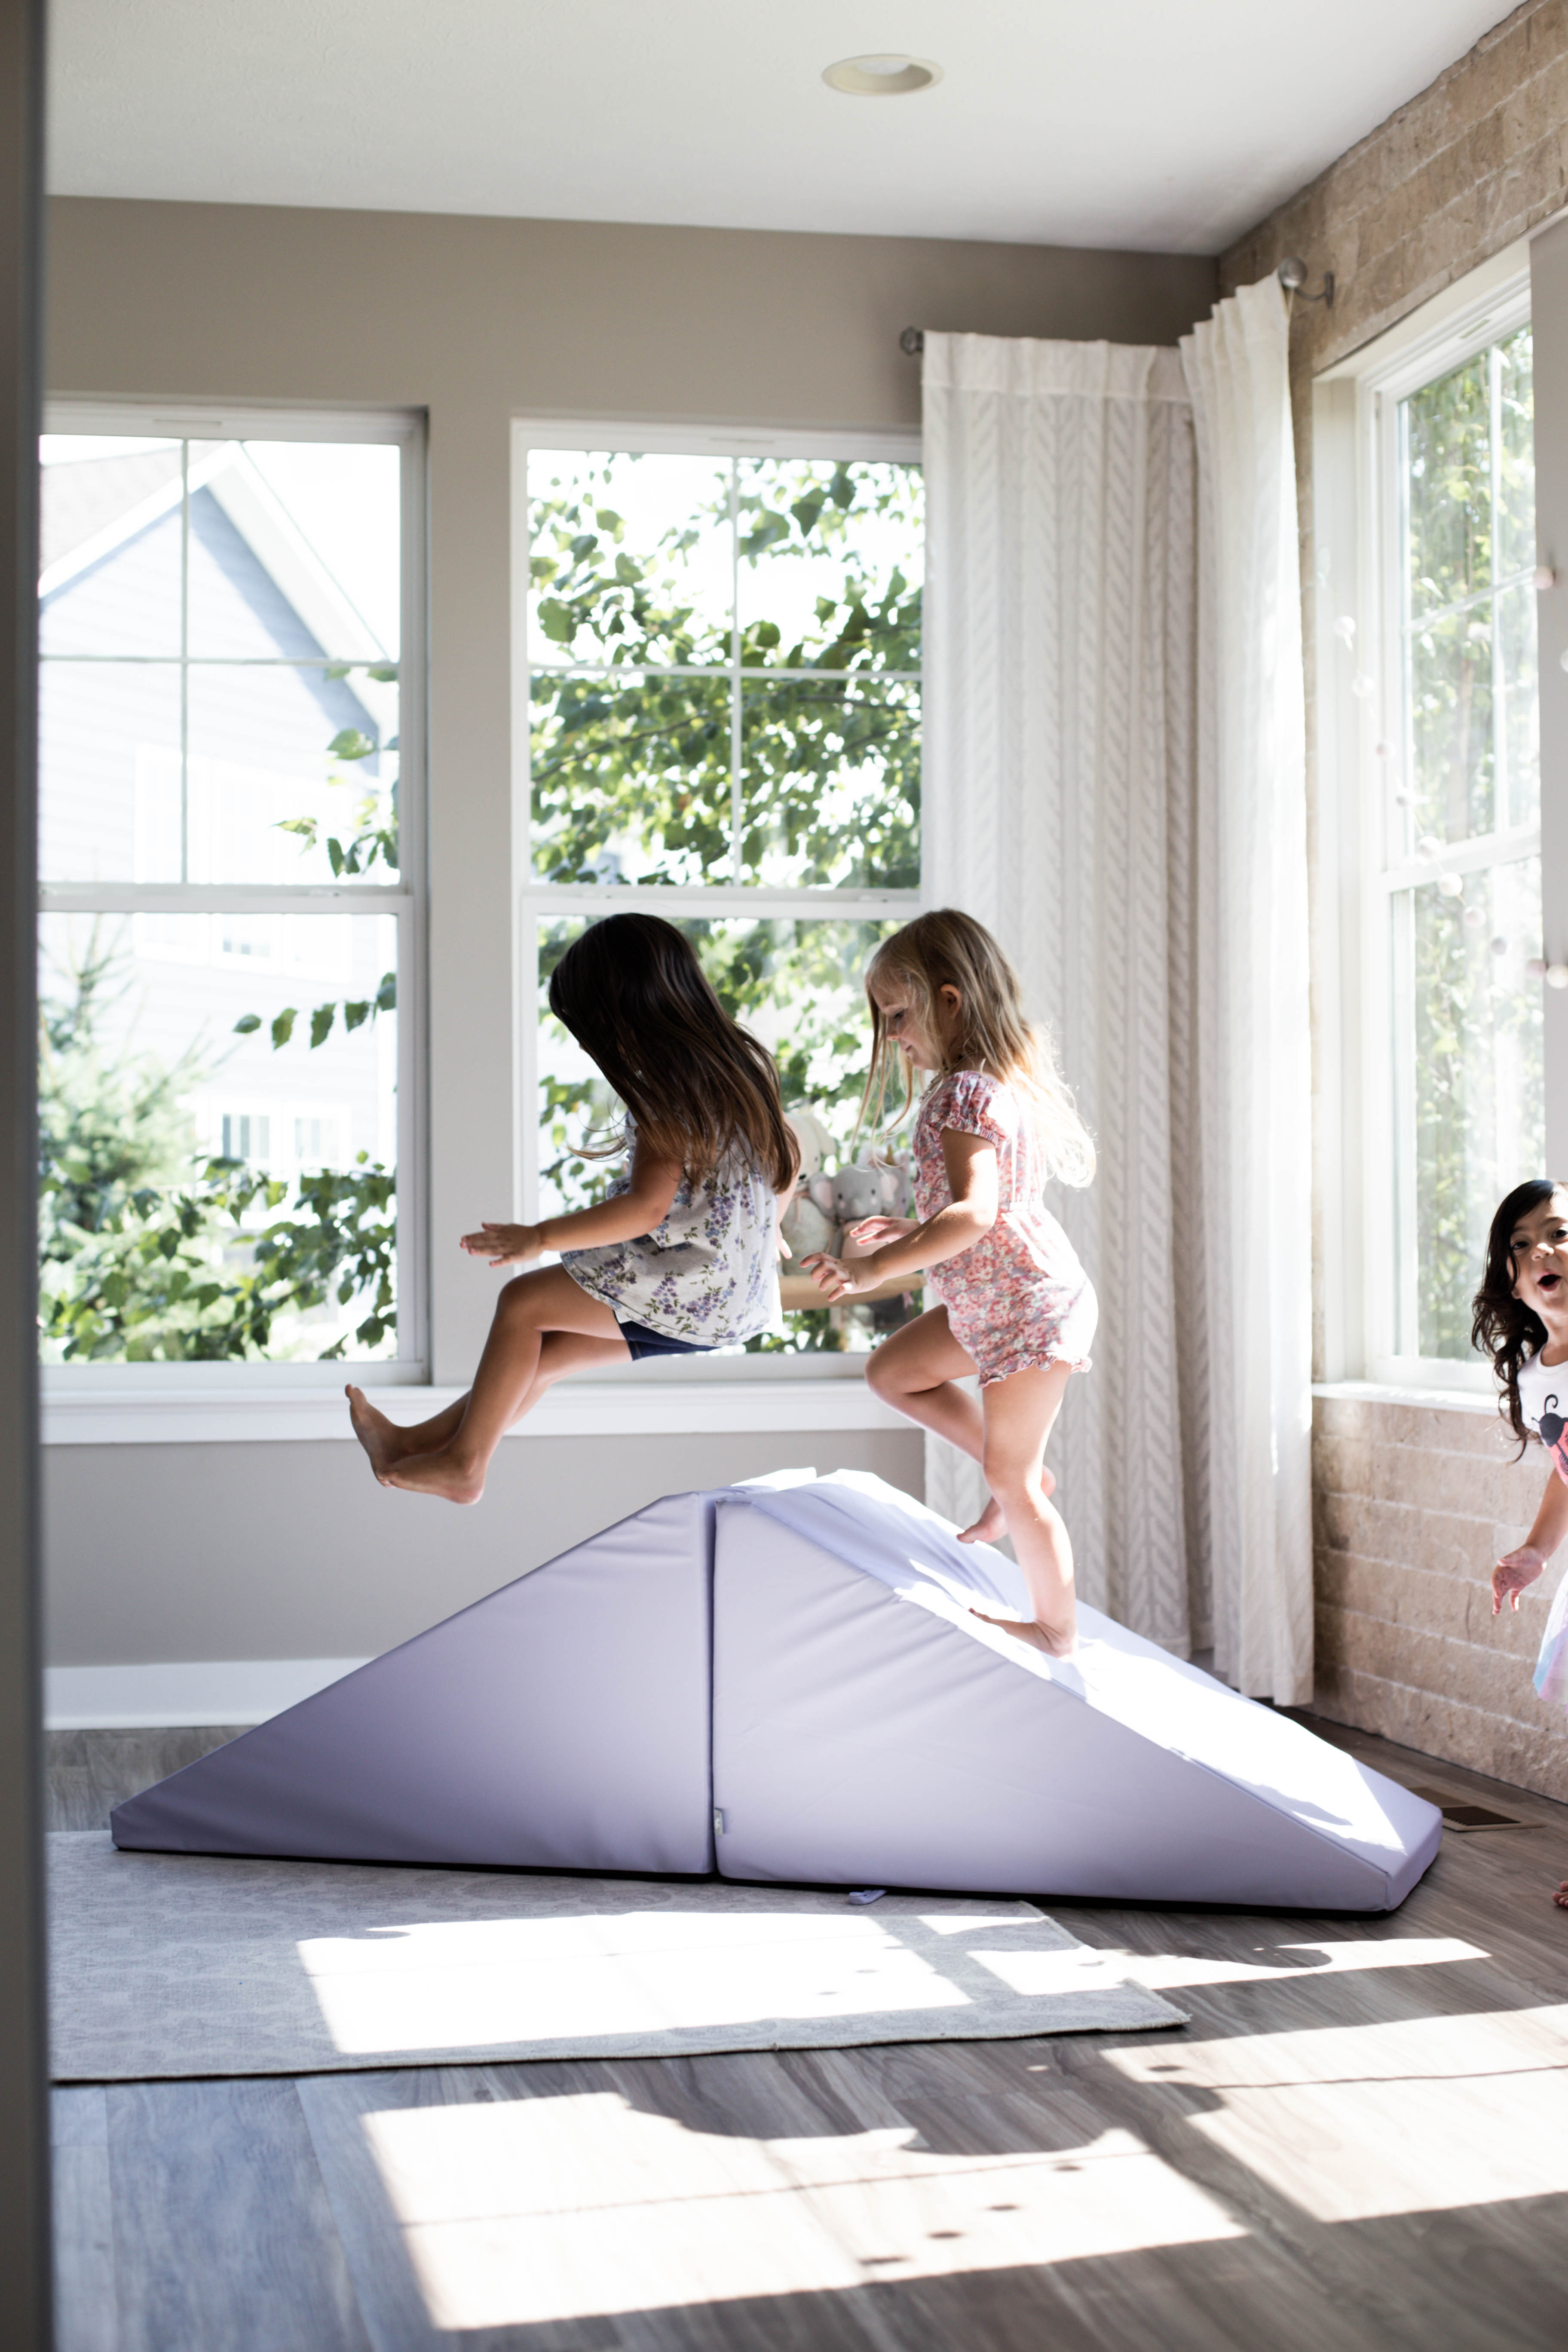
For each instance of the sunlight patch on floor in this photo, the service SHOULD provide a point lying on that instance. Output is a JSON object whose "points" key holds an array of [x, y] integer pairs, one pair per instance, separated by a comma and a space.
{"points": [[465, 1984], [1168, 1971], [1355, 2122], [548, 2209]]}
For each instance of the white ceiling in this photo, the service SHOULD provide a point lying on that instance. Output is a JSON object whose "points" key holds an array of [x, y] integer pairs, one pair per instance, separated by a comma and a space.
{"points": [[1167, 125]]}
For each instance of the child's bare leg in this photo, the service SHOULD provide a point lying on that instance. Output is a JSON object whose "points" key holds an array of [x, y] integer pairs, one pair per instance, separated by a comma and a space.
{"points": [[915, 1371], [531, 1308], [1019, 1412]]}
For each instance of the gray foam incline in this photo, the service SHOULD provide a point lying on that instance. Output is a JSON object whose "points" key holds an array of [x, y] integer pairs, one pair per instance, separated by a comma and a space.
{"points": [[801, 1663], [559, 1724], [868, 1724]]}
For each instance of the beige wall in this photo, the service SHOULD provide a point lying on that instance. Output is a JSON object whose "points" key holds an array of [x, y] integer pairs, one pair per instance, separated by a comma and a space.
{"points": [[160, 1553], [288, 1550], [1411, 1498]]}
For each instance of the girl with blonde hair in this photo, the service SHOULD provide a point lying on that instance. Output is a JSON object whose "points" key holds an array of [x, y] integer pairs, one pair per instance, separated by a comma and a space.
{"points": [[996, 1123]]}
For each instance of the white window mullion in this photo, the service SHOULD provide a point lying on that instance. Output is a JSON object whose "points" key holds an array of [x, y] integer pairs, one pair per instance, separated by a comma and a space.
{"points": [[1361, 465]]}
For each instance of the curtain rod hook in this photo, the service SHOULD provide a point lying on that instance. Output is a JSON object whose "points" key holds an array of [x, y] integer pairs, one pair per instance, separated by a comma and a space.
{"points": [[1292, 275]]}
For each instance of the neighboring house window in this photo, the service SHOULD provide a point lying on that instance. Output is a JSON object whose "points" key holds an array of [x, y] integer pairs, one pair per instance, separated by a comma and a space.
{"points": [[228, 915], [1424, 524], [720, 655], [1463, 871]]}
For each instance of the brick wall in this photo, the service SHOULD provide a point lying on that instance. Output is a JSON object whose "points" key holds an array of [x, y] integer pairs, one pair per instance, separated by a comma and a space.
{"points": [[1413, 1502], [1466, 166]]}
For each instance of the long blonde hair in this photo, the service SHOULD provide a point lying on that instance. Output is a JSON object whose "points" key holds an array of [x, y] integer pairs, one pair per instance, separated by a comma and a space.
{"points": [[951, 950]]}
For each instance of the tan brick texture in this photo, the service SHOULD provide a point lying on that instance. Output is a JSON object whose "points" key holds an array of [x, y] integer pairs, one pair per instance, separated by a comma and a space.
{"points": [[1411, 1507]]}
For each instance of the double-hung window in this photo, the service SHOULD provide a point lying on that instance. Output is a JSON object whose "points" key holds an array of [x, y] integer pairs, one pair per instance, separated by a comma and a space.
{"points": [[230, 946], [717, 643], [1427, 689]]}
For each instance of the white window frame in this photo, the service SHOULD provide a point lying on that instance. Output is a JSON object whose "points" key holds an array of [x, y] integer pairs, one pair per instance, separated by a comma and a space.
{"points": [[536, 902], [1359, 708], [104, 1386]]}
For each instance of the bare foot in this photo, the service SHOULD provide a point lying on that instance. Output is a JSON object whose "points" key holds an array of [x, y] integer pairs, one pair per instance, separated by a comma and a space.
{"points": [[436, 1473], [378, 1435], [1054, 1643], [989, 1528], [1560, 1897], [992, 1524]]}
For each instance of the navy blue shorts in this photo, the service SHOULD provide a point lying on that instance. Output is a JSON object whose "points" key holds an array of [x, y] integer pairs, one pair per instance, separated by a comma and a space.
{"points": [[643, 1342]]}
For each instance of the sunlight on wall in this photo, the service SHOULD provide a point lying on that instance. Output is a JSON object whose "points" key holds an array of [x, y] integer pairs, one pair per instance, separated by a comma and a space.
{"points": [[1353, 2122], [549, 2209]]}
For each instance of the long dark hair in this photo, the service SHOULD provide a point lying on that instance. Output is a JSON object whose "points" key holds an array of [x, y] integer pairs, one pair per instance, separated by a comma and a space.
{"points": [[1504, 1327], [698, 1087]]}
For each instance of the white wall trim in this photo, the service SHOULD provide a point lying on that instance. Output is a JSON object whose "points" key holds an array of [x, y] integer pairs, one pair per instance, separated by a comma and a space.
{"points": [[183, 1692], [1434, 1399], [196, 1416]]}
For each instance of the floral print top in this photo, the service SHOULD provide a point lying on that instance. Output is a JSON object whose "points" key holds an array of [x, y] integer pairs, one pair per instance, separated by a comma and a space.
{"points": [[708, 1274], [1019, 1298]]}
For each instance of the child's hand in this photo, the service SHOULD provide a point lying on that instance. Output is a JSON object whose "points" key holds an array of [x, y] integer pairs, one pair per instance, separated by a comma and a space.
{"points": [[504, 1244], [1514, 1574], [838, 1278], [883, 1229]]}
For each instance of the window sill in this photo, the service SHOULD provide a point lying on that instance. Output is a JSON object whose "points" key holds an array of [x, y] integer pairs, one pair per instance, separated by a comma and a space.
{"points": [[195, 1416], [1439, 1399]]}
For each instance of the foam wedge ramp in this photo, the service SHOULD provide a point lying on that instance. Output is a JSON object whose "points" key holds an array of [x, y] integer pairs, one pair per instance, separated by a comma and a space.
{"points": [[869, 1729], [561, 1723]]}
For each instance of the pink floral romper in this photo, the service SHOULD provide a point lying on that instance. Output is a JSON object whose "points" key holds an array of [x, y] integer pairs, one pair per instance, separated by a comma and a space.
{"points": [[1019, 1297]]}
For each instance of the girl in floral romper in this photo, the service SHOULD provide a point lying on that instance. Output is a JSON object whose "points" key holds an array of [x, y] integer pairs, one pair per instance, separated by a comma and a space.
{"points": [[1016, 1306], [680, 1258]]}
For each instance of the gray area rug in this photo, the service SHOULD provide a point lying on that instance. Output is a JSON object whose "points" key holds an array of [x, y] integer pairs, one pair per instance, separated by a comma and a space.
{"points": [[189, 1964]]}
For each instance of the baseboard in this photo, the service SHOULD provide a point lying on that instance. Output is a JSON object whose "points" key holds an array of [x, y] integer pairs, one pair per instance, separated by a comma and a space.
{"points": [[182, 1693]]}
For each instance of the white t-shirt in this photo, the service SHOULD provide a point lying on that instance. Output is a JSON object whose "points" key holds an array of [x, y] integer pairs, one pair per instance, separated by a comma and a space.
{"points": [[1543, 1403]]}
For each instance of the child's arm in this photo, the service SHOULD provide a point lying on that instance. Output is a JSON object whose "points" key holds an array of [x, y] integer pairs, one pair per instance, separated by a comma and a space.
{"points": [[1517, 1569], [624, 1218], [972, 1179]]}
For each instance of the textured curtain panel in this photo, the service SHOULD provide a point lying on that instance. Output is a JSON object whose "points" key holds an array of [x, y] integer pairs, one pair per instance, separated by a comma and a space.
{"points": [[1083, 768], [1251, 1141]]}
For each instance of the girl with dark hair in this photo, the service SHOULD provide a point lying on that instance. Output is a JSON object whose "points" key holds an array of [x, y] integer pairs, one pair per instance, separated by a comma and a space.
{"points": [[1521, 1323], [681, 1257]]}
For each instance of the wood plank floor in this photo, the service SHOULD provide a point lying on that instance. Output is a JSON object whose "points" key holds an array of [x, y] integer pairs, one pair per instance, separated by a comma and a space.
{"points": [[1360, 2144]]}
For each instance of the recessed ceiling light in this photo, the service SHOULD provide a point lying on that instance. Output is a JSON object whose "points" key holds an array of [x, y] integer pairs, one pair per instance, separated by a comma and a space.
{"points": [[881, 76]]}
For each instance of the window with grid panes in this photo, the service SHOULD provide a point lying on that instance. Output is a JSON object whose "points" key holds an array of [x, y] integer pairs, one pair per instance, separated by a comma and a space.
{"points": [[722, 669], [1460, 881], [225, 914]]}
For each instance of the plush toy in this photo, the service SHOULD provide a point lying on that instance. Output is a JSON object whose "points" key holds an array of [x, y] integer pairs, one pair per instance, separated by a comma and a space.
{"points": [[854, 1193], [900, 1167], [816, 1146], [805, 1226], [806, 1229]]}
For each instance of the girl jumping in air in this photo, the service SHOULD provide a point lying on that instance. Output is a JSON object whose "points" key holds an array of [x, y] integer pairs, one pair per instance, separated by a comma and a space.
{"points": [[679, 1259], [1017, 1308], [1521, 1323]]}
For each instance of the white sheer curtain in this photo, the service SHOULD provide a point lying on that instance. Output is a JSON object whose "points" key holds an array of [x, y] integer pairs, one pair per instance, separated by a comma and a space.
{"points": [[1118, 794], [1253, 1130]]}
